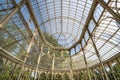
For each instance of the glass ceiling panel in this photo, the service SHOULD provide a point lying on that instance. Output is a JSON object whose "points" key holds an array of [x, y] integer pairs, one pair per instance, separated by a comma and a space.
{"points": [[5, 7], [106, 36], [62, 19]]}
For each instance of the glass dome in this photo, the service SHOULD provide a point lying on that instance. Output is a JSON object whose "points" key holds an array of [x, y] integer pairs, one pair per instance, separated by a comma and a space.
{"points": [[60, 39]]}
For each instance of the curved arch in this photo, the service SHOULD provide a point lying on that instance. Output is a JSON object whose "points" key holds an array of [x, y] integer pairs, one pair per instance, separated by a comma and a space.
{"points": [[43, 76], [49, 77], [58, 77], [65, 76]]}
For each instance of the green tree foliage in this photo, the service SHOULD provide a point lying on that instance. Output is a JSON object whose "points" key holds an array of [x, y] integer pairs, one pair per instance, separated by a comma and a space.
{"points": [[116, 69], [1, 66], [50, 39]]}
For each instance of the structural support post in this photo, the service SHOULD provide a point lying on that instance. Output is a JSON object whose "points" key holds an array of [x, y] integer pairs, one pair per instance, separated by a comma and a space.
{"points": [[14, 68], [98, 55], [62, 57], [101, 72], [4, 71], [32, 70], [46, 76], [26, 55], [94, 74], [71, 73], [104, 5], [7, 17], [53, 66], [118, 61], [38, 62], [28, 77], [112, 72], [48, 52], [88, 71]]}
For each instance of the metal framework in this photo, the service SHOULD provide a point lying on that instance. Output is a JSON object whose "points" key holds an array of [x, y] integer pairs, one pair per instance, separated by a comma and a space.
{"points": [[60, 39]]}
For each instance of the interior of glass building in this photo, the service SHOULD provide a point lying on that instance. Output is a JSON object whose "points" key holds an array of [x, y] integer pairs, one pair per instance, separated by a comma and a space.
{"points": [[59, 39]]}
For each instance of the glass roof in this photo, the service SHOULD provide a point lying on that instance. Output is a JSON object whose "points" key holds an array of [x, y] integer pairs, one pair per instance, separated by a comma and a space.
{"points": [[63, 19], [69, 27]]}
